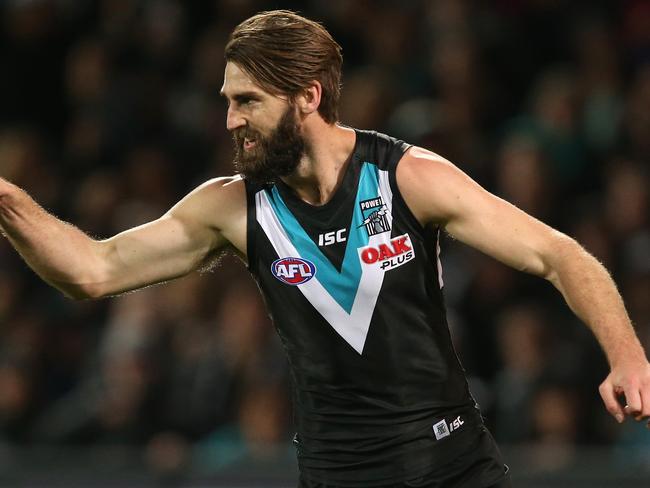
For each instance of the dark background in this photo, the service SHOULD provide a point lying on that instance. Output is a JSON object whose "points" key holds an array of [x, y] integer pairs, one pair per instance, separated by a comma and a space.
{"points": [[110, 113]]}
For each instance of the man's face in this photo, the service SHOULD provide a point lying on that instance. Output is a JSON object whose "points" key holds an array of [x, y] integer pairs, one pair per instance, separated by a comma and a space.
{"points": [[265, 128]]}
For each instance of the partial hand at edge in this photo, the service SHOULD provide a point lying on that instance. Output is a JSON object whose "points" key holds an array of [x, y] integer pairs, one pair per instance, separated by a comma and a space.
{"points": [[631, 379]]}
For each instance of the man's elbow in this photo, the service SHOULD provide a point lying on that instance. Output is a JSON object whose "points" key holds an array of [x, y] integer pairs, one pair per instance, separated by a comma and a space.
{"points": [[561, 251], [97, 281], [81, 290]]}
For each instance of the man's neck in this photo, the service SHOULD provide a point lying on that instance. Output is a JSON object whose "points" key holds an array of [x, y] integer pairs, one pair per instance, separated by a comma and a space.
{"points": [[321, 169]]}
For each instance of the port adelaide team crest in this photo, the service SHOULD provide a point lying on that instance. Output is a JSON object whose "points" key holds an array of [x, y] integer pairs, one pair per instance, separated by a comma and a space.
{"points": [[375, 218]]}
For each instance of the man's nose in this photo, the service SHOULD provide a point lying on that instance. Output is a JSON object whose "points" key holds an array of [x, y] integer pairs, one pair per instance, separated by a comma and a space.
{"points": [[234, 119]]}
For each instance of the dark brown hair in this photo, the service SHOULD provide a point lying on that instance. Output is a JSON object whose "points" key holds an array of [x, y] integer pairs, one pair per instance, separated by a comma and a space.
{"points": [[284, 52]]}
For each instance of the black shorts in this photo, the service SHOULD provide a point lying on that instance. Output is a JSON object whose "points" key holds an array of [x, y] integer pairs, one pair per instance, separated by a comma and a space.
{"points": [[479, 467]]}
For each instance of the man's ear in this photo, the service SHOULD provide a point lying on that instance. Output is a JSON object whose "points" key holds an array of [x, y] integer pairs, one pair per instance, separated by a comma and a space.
{"points": [[309, 100]]}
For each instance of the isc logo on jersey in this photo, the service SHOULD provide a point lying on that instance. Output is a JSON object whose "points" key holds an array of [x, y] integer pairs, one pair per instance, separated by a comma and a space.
{"points": [[293, 271], [388, 255]]}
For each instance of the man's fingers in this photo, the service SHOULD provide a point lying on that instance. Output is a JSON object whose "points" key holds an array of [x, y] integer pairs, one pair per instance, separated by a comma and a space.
{"points": [[645, 400], [633, 381], [634, 406], [611, 402]]}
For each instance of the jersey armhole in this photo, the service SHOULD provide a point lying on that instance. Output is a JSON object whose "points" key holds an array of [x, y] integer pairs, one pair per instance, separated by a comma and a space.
{"points": [[251, 222]]}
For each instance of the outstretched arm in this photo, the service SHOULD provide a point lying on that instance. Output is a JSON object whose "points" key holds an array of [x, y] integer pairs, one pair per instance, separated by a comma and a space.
{"points": [[82, 267], [439, 192]]}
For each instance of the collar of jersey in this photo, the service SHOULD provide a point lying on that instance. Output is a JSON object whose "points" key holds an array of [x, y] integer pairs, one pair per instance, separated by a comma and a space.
{"points": [[343, 285]]}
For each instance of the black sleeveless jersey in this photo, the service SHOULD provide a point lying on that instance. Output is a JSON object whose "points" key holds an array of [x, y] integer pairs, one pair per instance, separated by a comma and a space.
{"points": [[354, 288]]}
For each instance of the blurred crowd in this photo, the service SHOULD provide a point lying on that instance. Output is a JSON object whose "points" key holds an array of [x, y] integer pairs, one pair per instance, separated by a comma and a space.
{"points": [[110, 113]]}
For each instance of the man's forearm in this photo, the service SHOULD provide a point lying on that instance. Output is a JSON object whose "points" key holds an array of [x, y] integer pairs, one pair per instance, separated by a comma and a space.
{"points": [[58, 252], [592, 295]]}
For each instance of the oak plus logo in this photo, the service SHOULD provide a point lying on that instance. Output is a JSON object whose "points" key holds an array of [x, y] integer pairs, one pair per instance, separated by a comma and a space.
{"points": [[388, 255], [374, 216], [293, 271]]}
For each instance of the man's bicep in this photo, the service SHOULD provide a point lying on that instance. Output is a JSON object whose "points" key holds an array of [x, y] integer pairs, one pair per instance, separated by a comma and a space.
{"points": [[501, 230], [180, 241], [164, 249], [440, 193]]}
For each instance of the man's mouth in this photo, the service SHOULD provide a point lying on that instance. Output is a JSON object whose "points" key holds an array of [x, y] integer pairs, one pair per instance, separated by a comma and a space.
{"points": [[248, 143]]}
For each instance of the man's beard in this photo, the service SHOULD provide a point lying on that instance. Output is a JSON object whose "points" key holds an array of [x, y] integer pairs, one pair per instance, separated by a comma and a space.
{"points": [[272, 156]]}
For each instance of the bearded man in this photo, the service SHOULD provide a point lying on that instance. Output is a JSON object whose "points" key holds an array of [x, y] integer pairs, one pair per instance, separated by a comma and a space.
{"points": [[340, 229]]}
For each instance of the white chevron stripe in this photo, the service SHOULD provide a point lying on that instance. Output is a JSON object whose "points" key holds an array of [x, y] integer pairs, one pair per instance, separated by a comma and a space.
{"points": [[352, 327]]}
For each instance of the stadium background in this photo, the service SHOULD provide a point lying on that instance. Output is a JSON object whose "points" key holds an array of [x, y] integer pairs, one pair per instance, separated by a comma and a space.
{"points": [[109, 113]]}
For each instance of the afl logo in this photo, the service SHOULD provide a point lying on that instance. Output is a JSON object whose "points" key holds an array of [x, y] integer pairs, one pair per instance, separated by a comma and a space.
{"points": [[293, 271]]}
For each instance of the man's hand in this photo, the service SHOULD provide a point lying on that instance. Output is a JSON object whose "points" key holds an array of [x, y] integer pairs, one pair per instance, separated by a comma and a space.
{"points": [[631, 379]]}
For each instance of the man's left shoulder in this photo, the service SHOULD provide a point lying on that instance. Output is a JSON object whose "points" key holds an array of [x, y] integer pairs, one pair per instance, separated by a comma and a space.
{"points": [[430, 184], [418, 161]]}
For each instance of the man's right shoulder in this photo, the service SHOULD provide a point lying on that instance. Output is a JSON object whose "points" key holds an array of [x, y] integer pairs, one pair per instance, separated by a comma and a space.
{"points": [[215, 201], [227, 184], [218, 204], [225, 192]]}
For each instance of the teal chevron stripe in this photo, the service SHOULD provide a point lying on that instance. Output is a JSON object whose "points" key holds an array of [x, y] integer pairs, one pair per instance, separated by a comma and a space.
{"points": [[342, 286]]}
